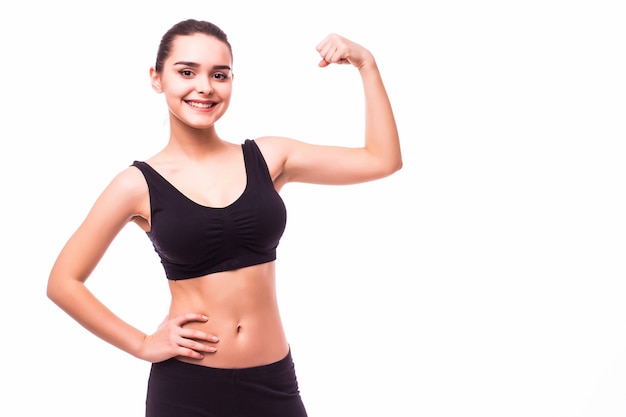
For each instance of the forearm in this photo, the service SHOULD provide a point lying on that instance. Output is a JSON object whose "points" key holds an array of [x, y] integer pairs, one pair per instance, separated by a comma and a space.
{"points": [[381, 133], [77, 301]]}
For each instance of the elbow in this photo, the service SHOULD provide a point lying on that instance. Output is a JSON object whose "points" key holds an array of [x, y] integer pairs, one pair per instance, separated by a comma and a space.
{"points": [[393, 162], [386, 171], [56, 291], [52, 291], [398, 165], [393, 167]]}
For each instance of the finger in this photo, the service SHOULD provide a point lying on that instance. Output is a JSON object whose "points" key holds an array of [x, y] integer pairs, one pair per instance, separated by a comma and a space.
{"points": [[338, 58], [189, 353], [324, 44], [326, 48], [331, 38], [197, 346], [198, 335], [323, 63], [189, 317], [333, 53]]}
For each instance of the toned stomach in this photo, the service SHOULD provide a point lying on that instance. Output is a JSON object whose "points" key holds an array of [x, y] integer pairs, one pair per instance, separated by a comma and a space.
{"points": [[243, 313]]}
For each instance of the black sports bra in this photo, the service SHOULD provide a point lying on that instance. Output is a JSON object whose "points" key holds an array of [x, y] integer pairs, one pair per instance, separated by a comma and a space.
{"points": [[193, 240]]}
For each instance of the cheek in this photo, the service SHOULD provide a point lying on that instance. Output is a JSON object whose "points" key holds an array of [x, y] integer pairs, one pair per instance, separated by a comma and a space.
{"points": [[176, 88], [174, 93], [225, 90], [174, 84]]}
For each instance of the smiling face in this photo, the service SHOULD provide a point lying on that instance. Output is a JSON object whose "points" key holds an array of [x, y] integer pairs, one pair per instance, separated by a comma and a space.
{"points": [[196, 80]]}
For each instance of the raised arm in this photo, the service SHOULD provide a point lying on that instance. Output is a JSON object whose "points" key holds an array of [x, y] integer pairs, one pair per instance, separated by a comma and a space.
{"points": [[380, 155]]}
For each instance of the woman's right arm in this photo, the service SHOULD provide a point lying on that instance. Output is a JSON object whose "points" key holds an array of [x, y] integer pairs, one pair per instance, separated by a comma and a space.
{"points": [[119, 203]]}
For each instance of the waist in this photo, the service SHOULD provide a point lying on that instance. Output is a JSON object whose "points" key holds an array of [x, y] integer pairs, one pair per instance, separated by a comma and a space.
{"points": [[242, 312], [188, 371]]}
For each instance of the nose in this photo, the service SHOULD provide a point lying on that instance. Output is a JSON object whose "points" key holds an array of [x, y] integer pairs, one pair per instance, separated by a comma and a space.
{"points": [[204, 86]]}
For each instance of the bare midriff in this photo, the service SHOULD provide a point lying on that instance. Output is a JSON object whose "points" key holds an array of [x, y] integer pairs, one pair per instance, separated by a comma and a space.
{"points": [[243, 313]]}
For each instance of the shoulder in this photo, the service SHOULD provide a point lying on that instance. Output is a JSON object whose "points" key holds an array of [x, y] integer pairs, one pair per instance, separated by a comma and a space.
{"points": [[127, 192], [276, 147], [275, 150], [130, 180], [124, 198]]}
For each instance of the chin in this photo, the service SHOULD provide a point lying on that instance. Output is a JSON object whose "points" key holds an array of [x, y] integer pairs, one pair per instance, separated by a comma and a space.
{"points": [[201, 126], [198, 123]]}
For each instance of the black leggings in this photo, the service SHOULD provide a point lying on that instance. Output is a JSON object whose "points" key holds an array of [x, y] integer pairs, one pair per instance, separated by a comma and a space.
{"points": [[181, 389]]}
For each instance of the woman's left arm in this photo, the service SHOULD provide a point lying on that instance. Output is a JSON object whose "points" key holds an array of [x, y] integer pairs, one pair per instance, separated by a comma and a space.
{"points": [[380, 155]]}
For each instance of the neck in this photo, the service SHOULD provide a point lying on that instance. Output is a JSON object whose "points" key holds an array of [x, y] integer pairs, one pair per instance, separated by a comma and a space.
{"points": [[192, 141]]}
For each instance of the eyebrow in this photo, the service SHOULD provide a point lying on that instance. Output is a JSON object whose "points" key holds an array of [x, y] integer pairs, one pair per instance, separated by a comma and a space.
{"points": [[196, 65]]}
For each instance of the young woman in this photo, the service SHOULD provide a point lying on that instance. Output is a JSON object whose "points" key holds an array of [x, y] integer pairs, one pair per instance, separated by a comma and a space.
{"points": [[213, 213]]}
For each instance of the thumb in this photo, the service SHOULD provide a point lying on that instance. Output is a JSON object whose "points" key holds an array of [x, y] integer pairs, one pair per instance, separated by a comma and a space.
{"points": [[323, 63]]}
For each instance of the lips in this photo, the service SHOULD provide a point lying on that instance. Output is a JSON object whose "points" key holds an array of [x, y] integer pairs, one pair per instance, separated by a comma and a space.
{"points": [[201, 105]]}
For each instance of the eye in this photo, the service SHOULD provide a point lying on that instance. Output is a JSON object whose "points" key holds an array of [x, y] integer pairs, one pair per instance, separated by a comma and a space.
{"points": [[186, 72], [221, 76]]}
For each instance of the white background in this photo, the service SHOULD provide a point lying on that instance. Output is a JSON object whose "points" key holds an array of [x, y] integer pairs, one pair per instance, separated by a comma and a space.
{"points": [[486, 278]]}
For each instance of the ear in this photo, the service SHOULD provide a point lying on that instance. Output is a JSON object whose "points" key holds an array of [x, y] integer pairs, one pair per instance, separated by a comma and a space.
{"points": [[155, 80]]}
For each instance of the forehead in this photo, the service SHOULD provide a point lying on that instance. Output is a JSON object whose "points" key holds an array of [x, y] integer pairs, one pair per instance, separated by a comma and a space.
{"points": [[200, 48]]}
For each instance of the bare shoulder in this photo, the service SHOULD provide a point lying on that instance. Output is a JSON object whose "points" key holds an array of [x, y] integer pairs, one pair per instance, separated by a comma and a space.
{"points": [[126, 196], [274, 144], [130, 181], [275, 150], [278, 148]]}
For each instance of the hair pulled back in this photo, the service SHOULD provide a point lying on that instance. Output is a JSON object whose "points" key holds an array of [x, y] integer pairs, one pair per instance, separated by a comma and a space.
{"points": [[186, 28]]}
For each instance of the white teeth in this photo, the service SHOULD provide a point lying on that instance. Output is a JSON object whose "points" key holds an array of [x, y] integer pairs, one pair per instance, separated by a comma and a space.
{"points": [[200, 105]]}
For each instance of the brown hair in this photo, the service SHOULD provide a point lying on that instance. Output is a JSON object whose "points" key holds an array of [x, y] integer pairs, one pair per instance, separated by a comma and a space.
{"points": [[186, 28]]}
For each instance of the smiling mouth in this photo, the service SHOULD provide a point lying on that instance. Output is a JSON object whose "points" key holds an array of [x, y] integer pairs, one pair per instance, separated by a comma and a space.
{"points": [[201, 105]]}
